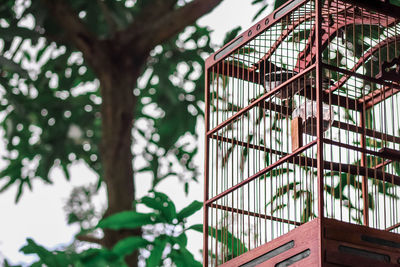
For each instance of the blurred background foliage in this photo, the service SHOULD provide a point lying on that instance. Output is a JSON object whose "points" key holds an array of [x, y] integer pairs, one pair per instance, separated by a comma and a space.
{"points": [[50, 106]]}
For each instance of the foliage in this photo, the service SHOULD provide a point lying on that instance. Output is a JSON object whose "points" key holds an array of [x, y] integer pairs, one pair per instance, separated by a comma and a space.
{"points": [[175, 72], [51, 105], [233, 244], [165, 238], [51, 98]]}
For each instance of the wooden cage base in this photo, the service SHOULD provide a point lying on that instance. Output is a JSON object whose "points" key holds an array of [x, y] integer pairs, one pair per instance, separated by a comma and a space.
{"points": [[326, 242]]}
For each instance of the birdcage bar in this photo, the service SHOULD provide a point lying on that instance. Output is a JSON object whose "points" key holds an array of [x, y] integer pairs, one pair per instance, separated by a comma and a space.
{"points": [[369, 172], [260, 173], [206, 169], [368, 132], [257, 101], [269, 172], [391, 228], [255, 214], [319, 99]]}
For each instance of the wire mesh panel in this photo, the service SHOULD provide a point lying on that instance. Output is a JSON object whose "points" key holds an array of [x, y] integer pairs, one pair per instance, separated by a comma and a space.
{"points": [[302, 117]]}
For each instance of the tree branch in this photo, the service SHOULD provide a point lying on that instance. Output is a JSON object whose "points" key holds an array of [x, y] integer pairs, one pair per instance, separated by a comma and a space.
{"points": [[90, 239], [75, 29], [143, 36], [108, 17]]}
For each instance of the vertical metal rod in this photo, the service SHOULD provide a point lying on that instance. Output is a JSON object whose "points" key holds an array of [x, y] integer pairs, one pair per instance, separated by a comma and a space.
{"points": [[206, 141], [319, 110], [320, 144], [363, 164]]}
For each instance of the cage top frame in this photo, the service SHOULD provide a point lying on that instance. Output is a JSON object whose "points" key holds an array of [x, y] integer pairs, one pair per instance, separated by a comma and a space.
{"points": [[381, 6]]}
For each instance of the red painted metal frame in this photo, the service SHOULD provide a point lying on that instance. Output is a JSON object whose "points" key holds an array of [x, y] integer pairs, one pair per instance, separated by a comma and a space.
{"points": [[261, 172], [362, 60], [206, 170], [359, 237], [312, 59], [255, 214], [391, 228], [258, 101], [303, 238], [335, 234], [327, 33], [260, 26], [320, 130]]}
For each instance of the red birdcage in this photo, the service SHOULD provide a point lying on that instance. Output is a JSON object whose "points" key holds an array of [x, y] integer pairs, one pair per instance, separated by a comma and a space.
{"points": [[302, 159]]}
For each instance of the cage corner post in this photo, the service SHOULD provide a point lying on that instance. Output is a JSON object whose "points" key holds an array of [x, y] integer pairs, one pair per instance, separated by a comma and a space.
{"points": [[206, 167]]}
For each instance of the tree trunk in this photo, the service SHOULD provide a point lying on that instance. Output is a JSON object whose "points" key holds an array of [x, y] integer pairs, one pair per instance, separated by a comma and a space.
{"points": [[117, 82]]}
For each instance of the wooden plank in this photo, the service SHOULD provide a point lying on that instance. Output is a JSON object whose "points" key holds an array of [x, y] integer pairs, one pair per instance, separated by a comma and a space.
{"points": [[296, 133]]}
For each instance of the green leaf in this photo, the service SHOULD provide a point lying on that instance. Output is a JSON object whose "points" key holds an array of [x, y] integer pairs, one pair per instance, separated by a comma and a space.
{"points": [[181, 240], [128, 220], [395, 2], [161, 203], [231, 35], [234, 244], [183, 258], [50, 258], [99, 258], [128, 245], [279, 3], [10, 32], [196, 227], [156, 253], [10, 66], [189, 210], [259, 12]]}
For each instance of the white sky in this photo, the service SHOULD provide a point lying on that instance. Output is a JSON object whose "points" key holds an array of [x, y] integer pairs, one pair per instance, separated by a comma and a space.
{"points": [[39, 214]]}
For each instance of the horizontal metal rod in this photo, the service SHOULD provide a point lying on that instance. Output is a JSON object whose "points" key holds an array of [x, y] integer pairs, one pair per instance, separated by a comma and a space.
{"points": [[256, 102], [351, 168], [374, 173], [391, 228], [261, 172], [367, 55], [383, 164], [360, 76], [327, 165], [333, 99], [381, 96], [354, 148], [255, 214], [363, 171], [245, 144], [368, 132], [376, 94], [268, 105]]}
